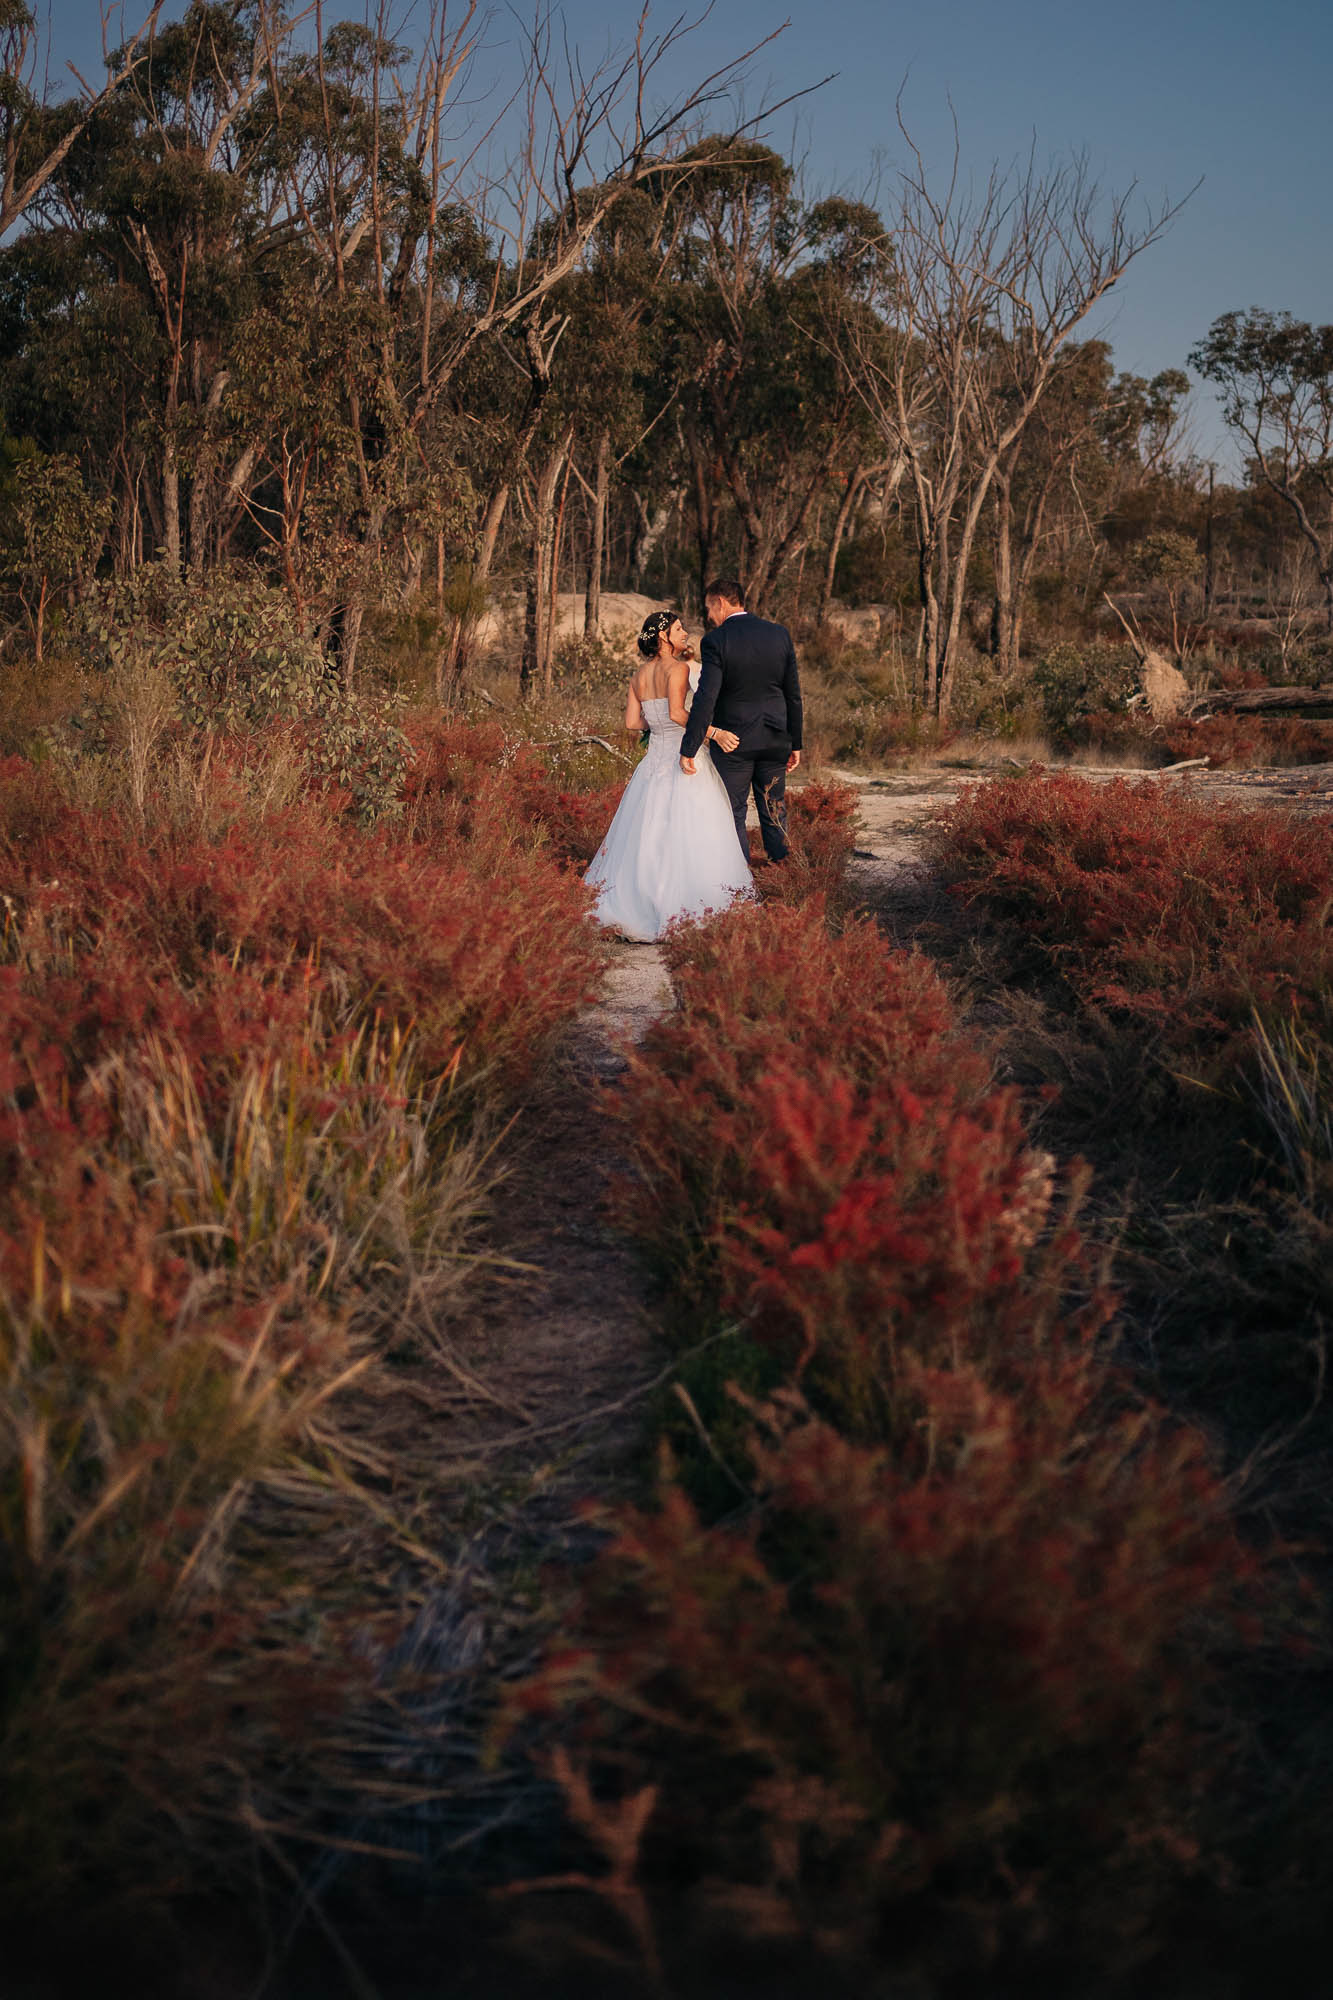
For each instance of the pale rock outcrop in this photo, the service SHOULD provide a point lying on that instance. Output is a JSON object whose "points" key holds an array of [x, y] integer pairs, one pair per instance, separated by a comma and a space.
{"points": [[623, 612], [500, 627]]}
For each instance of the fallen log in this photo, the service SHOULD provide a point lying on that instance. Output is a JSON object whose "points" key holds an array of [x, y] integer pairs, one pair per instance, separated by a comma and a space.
{"points": [[564, 742], [1312, 704]]}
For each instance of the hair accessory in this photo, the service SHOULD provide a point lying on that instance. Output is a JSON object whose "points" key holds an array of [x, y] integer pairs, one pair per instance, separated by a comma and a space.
{"points": [[654, 626]]}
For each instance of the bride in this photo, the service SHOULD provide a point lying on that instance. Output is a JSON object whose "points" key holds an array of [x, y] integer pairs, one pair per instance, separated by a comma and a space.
{"points": [[671, 851]]}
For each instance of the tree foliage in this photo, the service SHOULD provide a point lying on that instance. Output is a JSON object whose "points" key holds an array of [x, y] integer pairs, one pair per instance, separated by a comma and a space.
{"points": [[270, 307]]}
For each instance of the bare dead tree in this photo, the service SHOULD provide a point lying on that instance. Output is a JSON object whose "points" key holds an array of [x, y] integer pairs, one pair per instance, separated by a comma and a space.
{"points": [[589, 138], [195, 120], [986, 289], [1293, 600]]}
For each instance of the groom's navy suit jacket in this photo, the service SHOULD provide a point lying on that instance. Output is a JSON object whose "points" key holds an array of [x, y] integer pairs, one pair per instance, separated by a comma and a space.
{"points": [[747, 682]]}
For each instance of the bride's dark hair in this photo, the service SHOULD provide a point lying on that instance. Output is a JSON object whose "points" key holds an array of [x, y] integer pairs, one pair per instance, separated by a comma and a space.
{"points": [[655, 625]]}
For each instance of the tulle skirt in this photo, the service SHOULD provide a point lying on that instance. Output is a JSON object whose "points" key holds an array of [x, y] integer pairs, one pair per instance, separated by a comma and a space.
{"points": [[671, 851]]}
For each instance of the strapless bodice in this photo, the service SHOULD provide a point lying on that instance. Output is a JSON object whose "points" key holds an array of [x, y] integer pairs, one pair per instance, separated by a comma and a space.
{"points": [[666, 734]]}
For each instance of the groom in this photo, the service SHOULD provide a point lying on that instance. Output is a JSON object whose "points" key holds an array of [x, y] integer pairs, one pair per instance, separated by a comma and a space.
{"points": [[748, 684]]}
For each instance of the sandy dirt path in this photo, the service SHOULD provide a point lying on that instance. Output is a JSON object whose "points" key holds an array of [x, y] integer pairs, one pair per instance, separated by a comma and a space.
{"points": [[563, 1331]]}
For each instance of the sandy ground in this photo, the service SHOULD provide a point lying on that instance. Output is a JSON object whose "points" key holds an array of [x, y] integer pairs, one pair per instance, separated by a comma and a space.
{"points": [[563, 1330]]}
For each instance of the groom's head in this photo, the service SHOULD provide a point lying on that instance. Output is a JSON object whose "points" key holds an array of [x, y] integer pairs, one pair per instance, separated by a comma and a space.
{"points": [[722, 597]]}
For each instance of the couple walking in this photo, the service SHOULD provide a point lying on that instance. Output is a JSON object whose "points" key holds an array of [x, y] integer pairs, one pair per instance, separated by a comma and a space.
{"points": [[677, 846]]}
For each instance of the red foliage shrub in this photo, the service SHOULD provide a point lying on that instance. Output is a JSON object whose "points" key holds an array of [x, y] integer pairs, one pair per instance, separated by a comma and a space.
{"points": [[969, 1668], [892, 1223], [821, 829], [137, 1404], [449, 754], [469, 782], [1250, 740], [458, 786], [757, 977], [216, 1159], [203, 937], [573, 823], [1179, 914], [810, 1119], [955, 1649]]}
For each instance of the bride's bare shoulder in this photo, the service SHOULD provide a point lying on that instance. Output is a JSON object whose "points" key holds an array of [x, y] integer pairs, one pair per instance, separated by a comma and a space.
{"points": [[650, 682]]}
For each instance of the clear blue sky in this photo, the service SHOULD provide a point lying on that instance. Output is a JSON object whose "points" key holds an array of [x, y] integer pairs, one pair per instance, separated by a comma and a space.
{"points": [[1162, 91]]}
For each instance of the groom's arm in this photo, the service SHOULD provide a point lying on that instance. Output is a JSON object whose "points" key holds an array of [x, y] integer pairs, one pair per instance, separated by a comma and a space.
{"points": [[705, 699], [791, 688]]}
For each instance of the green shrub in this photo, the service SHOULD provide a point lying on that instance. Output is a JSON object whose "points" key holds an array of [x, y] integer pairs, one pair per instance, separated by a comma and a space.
{"points": [[592, 664], [994, 702], [239, 664], [1074, 682]]}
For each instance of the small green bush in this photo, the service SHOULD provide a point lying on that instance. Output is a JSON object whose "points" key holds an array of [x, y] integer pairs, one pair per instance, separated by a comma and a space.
{"points": [[239, 664], [994, 702], [592, 664], [1074, 682]]}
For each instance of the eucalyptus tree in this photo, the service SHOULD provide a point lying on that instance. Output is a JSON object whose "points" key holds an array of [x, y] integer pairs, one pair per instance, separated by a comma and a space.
{"points": [[373, 208], [177, 199], [619, 307], [565, 383], [770, 421], [35, 135], [51, 530], [292, 224], [1139, 476], [144, 256], [1275, 377]]}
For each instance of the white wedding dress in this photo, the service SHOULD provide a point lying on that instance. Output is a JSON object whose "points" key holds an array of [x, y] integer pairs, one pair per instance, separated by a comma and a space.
{"points": [[671, 850]]}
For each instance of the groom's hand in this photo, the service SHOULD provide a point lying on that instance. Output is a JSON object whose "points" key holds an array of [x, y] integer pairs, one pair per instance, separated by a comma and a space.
{"points": [[793, 760], [687, 766]]}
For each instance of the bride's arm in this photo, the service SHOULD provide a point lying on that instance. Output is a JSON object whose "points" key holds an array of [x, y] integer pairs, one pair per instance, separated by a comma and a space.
{"points": [[678, 691], [678, 688], [633, 710]]}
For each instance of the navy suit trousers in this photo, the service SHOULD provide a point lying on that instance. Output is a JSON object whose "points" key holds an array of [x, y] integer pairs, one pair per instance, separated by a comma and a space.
{"points": [[767, 776]]}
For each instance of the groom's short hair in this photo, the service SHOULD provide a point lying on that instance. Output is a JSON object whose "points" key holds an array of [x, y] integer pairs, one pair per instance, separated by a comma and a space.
{"points": [[727, 587]]}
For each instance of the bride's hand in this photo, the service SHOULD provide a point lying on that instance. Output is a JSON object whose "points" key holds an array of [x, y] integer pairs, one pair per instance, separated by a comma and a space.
{"points": [[726, 739]]}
